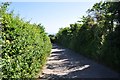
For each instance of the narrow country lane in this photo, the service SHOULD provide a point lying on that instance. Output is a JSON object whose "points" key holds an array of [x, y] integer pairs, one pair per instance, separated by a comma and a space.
{"points": [[64, 63]]}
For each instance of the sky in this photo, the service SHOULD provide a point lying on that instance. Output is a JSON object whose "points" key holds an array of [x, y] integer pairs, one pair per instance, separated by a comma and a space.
{"points": [[52, 15]]}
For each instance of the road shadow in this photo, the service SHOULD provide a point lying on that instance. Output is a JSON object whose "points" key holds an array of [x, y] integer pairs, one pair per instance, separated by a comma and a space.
{"points": [[54, 46], [76, 66]]}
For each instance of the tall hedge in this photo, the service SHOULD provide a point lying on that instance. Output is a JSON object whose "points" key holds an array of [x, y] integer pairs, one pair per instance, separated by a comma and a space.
{"points": [[97, 35], [24, 46]]}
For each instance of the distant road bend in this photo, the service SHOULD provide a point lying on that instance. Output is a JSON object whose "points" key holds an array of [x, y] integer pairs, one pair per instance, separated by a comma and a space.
{"points": [[64, 63]]}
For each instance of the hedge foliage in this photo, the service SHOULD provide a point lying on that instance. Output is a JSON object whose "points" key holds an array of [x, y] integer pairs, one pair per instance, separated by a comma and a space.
{"points": [[24, 46], [97, 35], [52, 38]]}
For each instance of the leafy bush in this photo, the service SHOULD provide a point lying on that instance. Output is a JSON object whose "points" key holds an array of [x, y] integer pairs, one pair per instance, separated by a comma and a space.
{"points": [[25, 46], [96, 36], [52, 38]]}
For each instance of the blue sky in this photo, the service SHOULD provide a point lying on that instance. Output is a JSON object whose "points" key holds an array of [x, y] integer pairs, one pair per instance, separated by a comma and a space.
{"points": [[52, 15]]}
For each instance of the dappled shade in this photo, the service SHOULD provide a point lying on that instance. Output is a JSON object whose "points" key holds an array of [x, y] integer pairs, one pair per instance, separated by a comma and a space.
{"points": [[64, 63]]}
